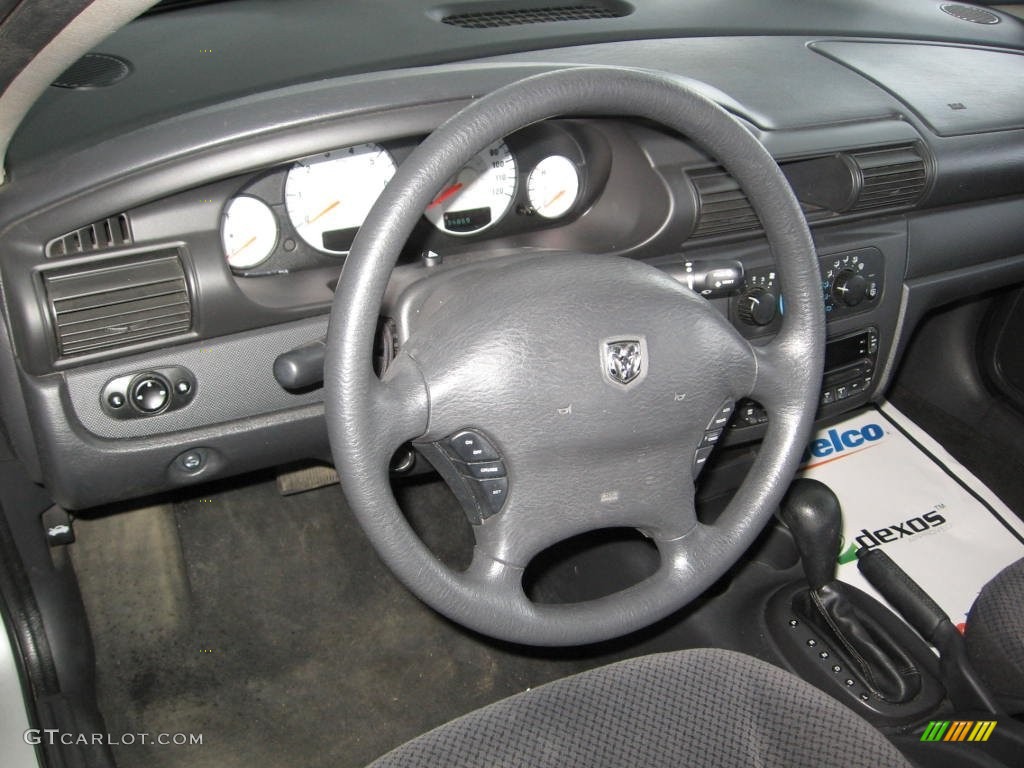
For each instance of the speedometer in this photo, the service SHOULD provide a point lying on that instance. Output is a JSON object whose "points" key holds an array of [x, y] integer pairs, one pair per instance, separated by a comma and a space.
{"points": [[479, 195], [328, 196]]}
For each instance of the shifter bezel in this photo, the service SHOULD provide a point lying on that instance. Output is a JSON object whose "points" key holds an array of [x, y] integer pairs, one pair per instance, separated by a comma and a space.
{"points": [[793, 644]]}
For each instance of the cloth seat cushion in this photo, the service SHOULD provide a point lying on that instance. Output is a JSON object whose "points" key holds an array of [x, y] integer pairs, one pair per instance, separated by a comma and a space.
{"points": [[687, 708], [995, 635]]}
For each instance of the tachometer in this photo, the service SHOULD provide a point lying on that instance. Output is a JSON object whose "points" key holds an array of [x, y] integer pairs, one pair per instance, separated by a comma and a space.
{"points": [[248, 232], [328, 196], [553, 186], [479, 195]]}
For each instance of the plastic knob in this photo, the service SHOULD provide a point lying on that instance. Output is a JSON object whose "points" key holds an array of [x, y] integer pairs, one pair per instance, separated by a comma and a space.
{"points": [[758, 307]]}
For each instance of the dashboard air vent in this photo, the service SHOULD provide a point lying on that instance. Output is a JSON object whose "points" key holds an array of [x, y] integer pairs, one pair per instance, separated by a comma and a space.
{"points": [[722, 207], [111, 305], [969, 13], [890, 178], [111, 232], [487, 16]]}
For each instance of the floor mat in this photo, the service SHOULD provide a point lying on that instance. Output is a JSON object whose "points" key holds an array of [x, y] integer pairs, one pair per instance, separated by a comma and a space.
{"points": [[276, 633], [901, 491]]}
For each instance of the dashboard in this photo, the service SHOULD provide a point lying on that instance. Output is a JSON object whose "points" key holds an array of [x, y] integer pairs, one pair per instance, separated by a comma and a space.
{"points": [[154, 280]]}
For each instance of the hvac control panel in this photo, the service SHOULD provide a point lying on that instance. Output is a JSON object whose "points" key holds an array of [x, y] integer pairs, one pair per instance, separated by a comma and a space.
{"points": [[851, 282]]}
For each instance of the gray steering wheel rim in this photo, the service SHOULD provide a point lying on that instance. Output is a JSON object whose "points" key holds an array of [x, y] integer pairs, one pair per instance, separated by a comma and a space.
{"points": [[365, 416]]}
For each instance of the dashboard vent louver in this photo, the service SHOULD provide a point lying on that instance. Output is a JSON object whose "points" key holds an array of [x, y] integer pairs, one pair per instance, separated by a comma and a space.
{"points": [[111, 232], [890, 178], [722, 207], [488, 16], [111, 305]]}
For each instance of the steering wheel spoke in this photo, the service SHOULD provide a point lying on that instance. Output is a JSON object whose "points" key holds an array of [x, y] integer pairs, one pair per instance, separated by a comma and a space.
{"points": [[400, 403], [552, 499]]}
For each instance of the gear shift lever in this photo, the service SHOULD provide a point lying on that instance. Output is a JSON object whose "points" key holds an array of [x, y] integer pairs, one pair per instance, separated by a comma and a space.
{"points": [[812, 513], [814, 516]]}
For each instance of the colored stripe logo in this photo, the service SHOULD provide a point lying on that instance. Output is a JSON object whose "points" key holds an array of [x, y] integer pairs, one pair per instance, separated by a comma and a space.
{"points": [[958, 730]]}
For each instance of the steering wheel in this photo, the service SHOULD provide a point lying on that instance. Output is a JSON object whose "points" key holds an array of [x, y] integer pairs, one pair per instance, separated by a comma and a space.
{"points": [[594, 378]]}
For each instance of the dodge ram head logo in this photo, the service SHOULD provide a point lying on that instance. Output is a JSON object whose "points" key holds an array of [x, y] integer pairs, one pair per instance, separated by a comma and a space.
{"points": [[624, 360]]}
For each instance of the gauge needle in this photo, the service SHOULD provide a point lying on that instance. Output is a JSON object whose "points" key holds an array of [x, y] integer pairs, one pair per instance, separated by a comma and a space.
{"points": [[248, 242], [554, 199], [446, 194], [328, 209]]}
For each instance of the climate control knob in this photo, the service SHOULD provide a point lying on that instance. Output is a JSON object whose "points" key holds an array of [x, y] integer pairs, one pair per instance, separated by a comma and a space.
{"points": [[758, 306], [849, 288]]}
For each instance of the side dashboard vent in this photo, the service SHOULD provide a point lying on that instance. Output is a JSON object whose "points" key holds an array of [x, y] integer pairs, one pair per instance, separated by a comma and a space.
{"points": [[111, 232], [108, 306], [490, 15], [890, 178], [722, 207]]}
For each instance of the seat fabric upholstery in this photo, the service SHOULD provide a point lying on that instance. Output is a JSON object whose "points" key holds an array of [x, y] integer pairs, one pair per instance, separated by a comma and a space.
{"points": [[688, 708], [995, 635]]}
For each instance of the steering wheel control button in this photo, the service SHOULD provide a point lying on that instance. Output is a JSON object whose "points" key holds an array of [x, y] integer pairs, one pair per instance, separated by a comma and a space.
{"points": [[700, 458], [150, 393], [711, 438], [472, 446], [493, 492], [721, 418], [486, 469]]}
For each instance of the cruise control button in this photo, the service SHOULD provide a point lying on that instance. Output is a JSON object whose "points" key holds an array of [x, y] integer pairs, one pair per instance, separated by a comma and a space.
{"points": [[485, 469], [711, 438], [494, 492], [721, 418], [470, 446], [700, 458]]}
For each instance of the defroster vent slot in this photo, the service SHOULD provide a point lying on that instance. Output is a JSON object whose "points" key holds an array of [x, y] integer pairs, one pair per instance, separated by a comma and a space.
{"points": [[489, 15], [111, 232], [113, 305]]}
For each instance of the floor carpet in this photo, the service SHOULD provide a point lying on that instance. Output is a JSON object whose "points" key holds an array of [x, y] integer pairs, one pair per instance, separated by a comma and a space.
{"points": [[268, 625]]}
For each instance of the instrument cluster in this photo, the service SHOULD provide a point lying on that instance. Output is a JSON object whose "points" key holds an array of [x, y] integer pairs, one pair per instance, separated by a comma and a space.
{"points": [[308, 212]]}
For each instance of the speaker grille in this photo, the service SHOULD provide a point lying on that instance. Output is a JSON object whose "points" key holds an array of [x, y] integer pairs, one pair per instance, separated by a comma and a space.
{"points": [[969, 13], [94, 70]]}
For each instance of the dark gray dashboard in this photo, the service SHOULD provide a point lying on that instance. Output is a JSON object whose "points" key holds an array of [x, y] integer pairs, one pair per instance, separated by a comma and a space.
{"points": [[957, 234]]}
